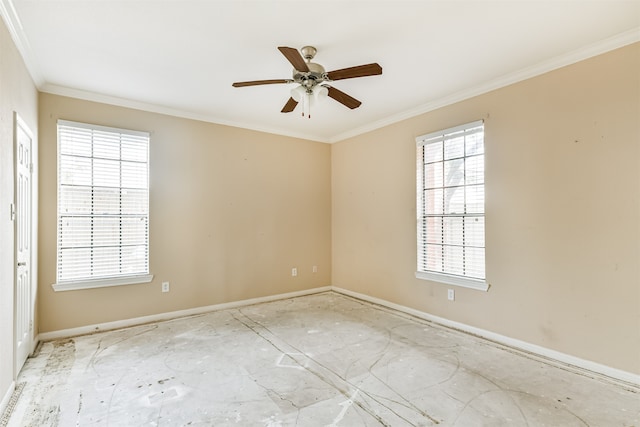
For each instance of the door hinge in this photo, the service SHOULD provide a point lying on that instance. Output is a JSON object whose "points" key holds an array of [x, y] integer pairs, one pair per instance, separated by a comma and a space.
{"points": [[30, 325], [13, 212], [30, 167]]}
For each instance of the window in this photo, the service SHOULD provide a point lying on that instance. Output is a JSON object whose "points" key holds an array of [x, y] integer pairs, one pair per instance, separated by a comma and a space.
{"points": [[450, 206], [103, 206]]}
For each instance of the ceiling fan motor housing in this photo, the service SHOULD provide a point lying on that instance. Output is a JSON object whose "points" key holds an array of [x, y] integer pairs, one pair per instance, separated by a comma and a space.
{"points": [[313, 77]]}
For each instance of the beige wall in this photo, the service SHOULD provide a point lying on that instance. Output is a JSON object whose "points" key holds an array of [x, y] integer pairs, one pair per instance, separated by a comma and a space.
{"points": [[17, 94], [231, 212], [562, 206]]}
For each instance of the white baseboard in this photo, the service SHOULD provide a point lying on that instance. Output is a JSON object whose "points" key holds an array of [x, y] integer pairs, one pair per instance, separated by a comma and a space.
{"points": [[568, 361], [576, 364], [118, 324], [7, 397]]}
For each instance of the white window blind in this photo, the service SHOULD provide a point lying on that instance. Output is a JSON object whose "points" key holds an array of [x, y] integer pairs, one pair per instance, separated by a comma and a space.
{"points": [[103, 203], [450, 201]]}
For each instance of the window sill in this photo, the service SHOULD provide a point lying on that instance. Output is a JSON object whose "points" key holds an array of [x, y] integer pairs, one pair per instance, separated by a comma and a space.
{"points": [[465, 282], [102, 283]]}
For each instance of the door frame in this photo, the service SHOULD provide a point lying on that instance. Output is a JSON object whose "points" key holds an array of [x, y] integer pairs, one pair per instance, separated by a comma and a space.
{"points": [[20, 125]]}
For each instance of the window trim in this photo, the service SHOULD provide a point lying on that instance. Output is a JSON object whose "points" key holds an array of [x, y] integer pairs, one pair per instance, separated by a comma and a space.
{"points": [[450, 279], [444, 278], [70, 285], [102, 283]]}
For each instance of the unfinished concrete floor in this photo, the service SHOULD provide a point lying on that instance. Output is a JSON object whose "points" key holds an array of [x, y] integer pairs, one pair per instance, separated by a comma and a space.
{"points": [[319, 360]]}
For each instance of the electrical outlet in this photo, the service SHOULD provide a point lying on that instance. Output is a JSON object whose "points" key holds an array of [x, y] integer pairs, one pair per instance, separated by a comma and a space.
{"points": [[165, 286], [294, 272], [315, 269], [451, 294]]}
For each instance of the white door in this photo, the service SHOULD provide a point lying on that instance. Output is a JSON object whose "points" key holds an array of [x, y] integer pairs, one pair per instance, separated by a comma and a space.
{"points": [[23, 305]]}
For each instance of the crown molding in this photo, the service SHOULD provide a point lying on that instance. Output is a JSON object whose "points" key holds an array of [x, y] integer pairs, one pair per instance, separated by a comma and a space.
{"points": [[10, 17], [160, 109], [586, 52], [11, 20]]}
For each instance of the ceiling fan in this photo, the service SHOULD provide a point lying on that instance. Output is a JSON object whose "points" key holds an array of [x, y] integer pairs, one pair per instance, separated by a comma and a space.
{"points": [[312, 80]]}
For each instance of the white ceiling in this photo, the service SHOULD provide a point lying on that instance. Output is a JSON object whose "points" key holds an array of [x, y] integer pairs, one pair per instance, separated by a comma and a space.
{"points": [[181, 57]]}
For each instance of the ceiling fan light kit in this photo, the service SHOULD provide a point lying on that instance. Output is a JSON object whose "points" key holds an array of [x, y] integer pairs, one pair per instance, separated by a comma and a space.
{"points": [[312, 78], [308, 97]]}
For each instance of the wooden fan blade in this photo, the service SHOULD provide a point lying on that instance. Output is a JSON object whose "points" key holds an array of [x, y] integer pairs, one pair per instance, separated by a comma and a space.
{"points": [[261, 82], [358, 71], [293, 56], [343, 98], [289, 106]]}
